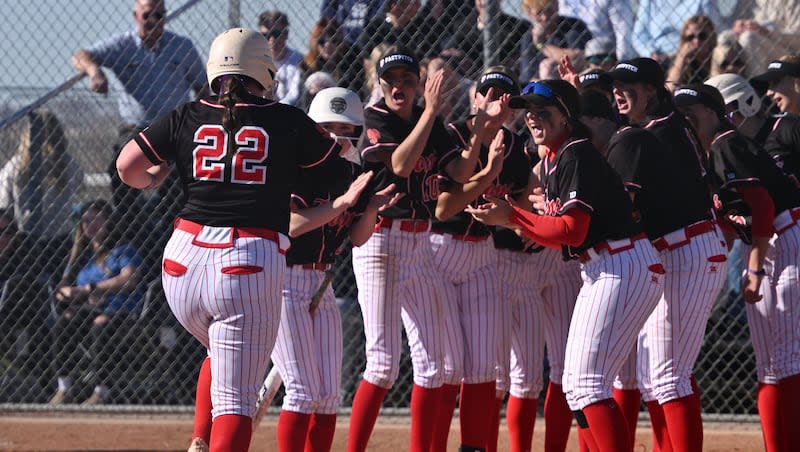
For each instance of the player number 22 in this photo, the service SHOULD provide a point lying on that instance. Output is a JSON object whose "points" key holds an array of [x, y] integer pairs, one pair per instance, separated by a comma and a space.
{"points": [[252, 145]]}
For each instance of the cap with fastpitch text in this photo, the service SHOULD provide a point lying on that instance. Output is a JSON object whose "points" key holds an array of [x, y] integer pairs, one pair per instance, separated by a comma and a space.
{"points": [[502, 80], [639, 70], [698, 93], [778, 69], [545, 93], [596, 78], [400, 57]]}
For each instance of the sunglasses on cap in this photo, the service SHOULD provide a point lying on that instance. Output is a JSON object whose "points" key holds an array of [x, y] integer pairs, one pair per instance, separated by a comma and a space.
{"points": [[157, 15], [275, 33], [540, 89], [702, 36], [598, 60]]}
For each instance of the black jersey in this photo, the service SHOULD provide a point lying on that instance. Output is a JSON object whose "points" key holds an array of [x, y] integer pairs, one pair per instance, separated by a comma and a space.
{"points": [[687, 164], [783, 144], [250, 186], [647, 169], [507, 239], [512, 180], [579, 177], [320, 186], [384, 132], [738, 161]]}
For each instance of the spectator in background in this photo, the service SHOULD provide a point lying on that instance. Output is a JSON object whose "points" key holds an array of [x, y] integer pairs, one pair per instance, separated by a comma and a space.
{"points": [[549, 38], [274, 25], [40, 183], [767, 29], [455, 103], [469, 37], [326, 49], [692, 63], [728, 56], [371, 80], [353, 15], [607, 19], [600, 54], [98, 298], [656, 33], [313, 84]]}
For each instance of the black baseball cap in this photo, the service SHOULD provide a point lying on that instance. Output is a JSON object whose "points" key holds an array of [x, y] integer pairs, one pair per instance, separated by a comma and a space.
{"points": [[639, 70], [596, 104], [778, 69], [502, 80], [544, 93], [596, 79], [699, 93], [397, 56]]}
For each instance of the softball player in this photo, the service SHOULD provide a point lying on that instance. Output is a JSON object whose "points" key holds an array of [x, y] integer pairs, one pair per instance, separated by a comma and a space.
{"points": [[467, 262], [394, 269], [783, 78], [588, 215], [678, 220], [237, 155], [308, 350]]}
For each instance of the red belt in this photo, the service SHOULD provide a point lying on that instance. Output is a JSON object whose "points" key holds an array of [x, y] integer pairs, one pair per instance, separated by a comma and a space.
{"points": [[405, 225], [237, 232], [606, 246], [693, 230], [314, 266]]}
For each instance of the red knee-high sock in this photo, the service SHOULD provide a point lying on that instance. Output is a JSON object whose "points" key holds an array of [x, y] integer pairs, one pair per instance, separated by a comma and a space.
{"points": [[475, 400], [202, 403], [557, 419], [789, 410], [231, 433], [444, 417], [768, 412], [494, 426], [607, 425], [521, 419], [629, 400], [658, 424], [366, 406], [292, 431], [424, 404], [586, 442], [685, 422], [320, 432]]}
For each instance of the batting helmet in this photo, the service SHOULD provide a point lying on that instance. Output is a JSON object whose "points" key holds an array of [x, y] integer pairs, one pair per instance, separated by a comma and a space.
{"points": [[337, 105], [244, 52], [735, 88]]}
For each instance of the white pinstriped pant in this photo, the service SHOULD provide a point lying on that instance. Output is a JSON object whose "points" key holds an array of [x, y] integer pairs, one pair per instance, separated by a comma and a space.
{"points": [[539, 291], [760, 316], [786, 323], [235, 316], [671, 339], [398, 281], [618, 294], [470, 305], [308, 351]]}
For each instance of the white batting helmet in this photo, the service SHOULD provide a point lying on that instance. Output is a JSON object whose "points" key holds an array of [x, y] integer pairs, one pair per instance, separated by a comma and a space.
{"points": [[734, 87], [337, 105], [241, 51]]}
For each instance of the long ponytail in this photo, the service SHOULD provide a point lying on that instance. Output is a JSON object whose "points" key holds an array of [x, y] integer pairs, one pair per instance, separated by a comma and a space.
{"points": [[231, 90]]}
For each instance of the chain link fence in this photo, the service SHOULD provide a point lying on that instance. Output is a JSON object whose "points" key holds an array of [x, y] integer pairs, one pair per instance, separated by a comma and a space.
{"points": [[57, 158]]}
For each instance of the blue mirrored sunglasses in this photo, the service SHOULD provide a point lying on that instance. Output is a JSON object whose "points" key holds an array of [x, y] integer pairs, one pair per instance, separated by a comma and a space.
{"points": [[537, 88]]}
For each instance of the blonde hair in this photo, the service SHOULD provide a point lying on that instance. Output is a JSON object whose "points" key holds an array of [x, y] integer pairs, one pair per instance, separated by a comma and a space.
{"points": [[44, 137], [370, 70], [537, 5]]}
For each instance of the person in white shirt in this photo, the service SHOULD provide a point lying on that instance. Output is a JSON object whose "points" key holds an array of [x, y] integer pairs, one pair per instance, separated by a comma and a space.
{"points": [[274, 25]]}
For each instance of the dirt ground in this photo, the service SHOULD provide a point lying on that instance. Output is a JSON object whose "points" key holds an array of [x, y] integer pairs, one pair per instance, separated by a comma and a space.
{"points": [[77, 432]]}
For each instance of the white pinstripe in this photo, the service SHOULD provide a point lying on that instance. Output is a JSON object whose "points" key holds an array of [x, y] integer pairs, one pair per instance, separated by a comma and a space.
{"points": [[786, 331], [618, 294], [397, 280], [308, 351], [469, 304], [671, 339], [538, 292], [759, 317], [234, 316]]}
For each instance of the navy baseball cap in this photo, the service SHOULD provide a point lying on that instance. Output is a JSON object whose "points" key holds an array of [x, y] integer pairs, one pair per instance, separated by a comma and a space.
{"points": [[397, 56], [545, 93], [699, 93], [639, 70], [502, 80]]}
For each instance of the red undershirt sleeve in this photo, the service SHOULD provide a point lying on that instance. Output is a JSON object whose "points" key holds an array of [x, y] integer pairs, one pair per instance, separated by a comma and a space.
{"points": [[570, 228], [762, 207]]}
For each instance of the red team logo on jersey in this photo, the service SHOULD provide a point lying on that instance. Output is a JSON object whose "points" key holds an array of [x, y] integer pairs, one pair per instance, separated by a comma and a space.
{"points": [[717, 202], [373, 135], [425, 164], [552, 206]]}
